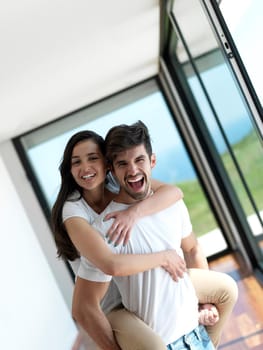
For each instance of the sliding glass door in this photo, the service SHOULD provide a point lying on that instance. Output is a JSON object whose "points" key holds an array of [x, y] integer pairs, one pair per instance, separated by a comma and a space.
{"points": [[220, 112]]}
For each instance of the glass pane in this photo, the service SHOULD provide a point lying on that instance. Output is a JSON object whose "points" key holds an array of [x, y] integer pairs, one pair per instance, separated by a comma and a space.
{"points": [[239, 133], [245, 24], [173, 163], [222, 107]]}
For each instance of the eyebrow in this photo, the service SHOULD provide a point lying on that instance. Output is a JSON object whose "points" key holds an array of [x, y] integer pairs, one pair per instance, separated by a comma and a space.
{"points": [[138, 157], [87, 154], [120, 161]]}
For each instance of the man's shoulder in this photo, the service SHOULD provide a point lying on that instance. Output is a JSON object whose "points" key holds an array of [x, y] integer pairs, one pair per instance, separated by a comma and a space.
{"points": [[177, 206]]}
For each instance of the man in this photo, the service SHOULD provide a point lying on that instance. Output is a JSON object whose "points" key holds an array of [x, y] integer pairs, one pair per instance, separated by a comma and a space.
{"points": [[169, 308]]}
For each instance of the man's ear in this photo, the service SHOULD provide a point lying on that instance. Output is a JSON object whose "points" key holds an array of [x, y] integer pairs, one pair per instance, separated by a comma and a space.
{"points": [[153, 160]]}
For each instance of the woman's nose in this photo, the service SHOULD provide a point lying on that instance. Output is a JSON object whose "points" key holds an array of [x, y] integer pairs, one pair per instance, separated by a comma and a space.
{"points": [[85, 166]]}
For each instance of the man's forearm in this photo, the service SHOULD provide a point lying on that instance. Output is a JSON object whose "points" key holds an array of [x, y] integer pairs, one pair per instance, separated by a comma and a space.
{"points": [[196, 258]]}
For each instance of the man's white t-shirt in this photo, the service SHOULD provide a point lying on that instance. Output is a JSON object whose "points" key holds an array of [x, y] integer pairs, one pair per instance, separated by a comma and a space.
{"points": [[169, 308]]}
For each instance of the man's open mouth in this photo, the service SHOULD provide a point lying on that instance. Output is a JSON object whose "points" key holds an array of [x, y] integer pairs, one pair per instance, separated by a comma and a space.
{"points": [[136, 184]]}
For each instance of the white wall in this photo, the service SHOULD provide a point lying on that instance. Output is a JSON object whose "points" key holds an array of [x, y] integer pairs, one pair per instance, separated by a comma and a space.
{"points": [[36, 288]]}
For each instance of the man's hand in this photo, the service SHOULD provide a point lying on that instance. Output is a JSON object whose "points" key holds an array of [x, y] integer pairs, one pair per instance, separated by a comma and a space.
{"points": [[208, 314], [175, 265]]}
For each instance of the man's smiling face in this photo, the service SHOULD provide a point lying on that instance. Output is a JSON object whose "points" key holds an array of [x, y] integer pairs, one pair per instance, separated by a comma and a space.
{"points": [[132, 168]]}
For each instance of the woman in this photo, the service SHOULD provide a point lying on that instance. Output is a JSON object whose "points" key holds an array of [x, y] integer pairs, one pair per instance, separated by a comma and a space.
{"points": [[83, 171]]}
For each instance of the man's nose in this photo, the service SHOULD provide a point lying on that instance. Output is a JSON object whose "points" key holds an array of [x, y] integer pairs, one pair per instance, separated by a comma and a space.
{"points": [[132, 168]]}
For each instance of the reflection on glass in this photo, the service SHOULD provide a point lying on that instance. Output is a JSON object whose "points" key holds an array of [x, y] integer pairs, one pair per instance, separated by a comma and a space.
{"points": [[222, 107], [240, 135], [246, 27]]}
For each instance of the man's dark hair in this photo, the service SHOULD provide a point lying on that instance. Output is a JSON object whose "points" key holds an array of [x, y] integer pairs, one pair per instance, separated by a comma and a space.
{"points": [[123, 137]]}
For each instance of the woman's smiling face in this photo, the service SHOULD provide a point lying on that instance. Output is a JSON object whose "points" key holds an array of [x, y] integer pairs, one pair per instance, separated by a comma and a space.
{"points": [[88, 165]]}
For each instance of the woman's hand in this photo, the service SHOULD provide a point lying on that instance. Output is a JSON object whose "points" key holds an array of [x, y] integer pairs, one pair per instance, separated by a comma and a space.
{"points": [[174, 264], [208, 314], [120, 230], [163, 197]]}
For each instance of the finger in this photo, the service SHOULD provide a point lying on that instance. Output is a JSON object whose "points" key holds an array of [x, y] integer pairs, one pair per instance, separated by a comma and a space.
{"points": [[211, 319], [202, 316], [109, 216], [174, 277], [114, 236], [109, 234], [111, 229], [201, 319], [120, 237], [112, 232], [215, 311], [127, 237], [182, 272]]}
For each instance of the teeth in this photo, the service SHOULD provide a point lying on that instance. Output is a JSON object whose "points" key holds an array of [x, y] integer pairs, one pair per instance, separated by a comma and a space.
{"points": [[136, 180], [87, 176]]}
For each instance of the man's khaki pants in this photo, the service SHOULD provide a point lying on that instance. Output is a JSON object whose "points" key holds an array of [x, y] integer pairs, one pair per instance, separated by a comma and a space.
{"points": [[211, 287]]}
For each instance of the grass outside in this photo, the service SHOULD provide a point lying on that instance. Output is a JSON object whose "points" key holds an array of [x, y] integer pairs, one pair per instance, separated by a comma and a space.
{"points": [[249, 155], [201, 216]]}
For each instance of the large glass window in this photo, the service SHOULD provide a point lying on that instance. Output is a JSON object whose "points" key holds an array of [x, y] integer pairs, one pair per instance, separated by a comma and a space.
{"points": [[44, 149], [203, 71]]}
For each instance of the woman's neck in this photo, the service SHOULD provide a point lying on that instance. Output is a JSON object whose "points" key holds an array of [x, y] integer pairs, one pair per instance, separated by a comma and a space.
{"points": [[98, 198]]}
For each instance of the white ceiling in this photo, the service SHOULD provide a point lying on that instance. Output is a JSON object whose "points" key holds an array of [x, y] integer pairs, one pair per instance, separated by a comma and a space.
{"points": [[60, 55]]}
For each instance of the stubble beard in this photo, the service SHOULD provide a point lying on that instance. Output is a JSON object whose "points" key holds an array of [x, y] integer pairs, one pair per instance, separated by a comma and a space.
{"points": [[138, 196]]}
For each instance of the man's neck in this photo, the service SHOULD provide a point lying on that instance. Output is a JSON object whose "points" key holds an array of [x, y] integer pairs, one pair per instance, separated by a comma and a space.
{"points": [[125, 198]]}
